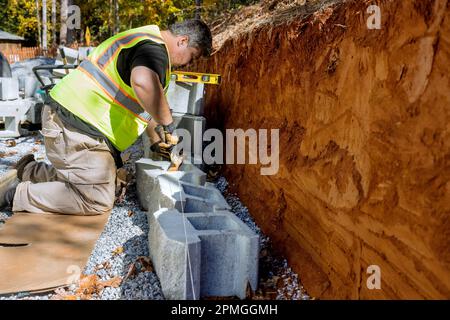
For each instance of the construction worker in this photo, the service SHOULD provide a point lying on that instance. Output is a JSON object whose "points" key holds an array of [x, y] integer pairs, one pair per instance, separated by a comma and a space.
{"points": [[99, 110]]}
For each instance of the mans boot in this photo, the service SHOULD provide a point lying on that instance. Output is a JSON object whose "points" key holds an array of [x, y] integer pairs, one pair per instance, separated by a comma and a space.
{"points": [[21, 164], [8, 197]]}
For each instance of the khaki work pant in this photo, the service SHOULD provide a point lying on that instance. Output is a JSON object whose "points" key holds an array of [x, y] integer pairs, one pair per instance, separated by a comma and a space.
{"points": [[81, 179]]}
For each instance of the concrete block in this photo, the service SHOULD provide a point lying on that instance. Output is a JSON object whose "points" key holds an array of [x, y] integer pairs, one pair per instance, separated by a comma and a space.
{"points": [[195, 125], [230, 252], [202, 198], [157, 188], [9, 89], [186, 98], [175, 254], [14, 112], [198, 248], [223, 254], [29, 85]]}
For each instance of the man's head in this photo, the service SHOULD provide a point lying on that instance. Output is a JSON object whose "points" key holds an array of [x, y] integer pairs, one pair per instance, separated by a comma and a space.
{"points": [[188, 40]]}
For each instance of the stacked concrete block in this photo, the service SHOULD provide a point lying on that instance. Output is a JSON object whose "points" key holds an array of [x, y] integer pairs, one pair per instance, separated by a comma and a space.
{"points": [[9, 89], [29, 85], [175, 254], [203, 254], [158, 188], [197, 246], [195, 126], [186, 98], [186, 102]]}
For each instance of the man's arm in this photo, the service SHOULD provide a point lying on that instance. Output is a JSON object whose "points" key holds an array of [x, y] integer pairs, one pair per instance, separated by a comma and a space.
{"points": [[147, 86]]}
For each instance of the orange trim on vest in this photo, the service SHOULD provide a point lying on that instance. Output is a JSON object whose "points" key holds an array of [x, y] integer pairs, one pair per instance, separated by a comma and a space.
{"points": [[118, 86], [120, 47]]}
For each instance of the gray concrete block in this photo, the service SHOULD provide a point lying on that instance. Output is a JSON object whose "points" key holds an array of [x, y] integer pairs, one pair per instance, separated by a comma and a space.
{"points": [[157, 188], [29, 85], [175, 254], [224, 259], [14, 111], [9, 89], [203, 198], [195, 125], [186, 97], [160, 189], [198, 248], [230, 252], [148, 185]]}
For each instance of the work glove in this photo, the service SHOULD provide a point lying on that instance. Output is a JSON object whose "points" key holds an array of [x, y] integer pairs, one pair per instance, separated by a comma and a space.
{"points": [[169, 152], [166, 134], [167, 146], [162, 149]]}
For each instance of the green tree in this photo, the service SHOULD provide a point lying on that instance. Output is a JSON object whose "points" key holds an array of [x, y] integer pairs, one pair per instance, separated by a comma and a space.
{"points": [[99, 14], [19, 17]]}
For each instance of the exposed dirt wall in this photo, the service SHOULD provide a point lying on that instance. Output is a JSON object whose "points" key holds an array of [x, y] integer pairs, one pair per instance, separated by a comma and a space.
{"points": [[364, 117]]}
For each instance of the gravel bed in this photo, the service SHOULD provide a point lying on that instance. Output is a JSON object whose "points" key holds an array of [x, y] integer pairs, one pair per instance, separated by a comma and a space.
{"points": [[11, 150]]}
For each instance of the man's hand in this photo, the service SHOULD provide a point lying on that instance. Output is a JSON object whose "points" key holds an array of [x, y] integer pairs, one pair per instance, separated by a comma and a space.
{"points": [[169, 152], [166, 135], [162, 149]]}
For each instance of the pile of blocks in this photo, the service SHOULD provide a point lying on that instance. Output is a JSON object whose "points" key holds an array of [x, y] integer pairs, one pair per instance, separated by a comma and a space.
{"points": [[14, 109], [198, 247]]}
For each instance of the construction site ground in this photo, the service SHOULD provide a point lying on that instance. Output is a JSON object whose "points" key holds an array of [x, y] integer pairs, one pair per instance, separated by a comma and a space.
{"points": [[120, 255]]}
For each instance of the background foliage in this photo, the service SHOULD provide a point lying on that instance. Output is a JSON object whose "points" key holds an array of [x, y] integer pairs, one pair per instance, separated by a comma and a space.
{"points": [[19, 16]]}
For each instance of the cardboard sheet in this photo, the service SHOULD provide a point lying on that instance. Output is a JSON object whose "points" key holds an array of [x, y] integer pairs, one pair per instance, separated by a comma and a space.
{"points": [[42, 251]]}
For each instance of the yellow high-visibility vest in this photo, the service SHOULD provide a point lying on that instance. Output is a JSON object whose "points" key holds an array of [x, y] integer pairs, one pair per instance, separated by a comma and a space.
{"points": [[96, 93]]}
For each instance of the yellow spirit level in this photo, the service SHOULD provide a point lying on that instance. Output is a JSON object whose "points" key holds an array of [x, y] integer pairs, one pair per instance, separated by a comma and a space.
{"points": [[207, 78]]}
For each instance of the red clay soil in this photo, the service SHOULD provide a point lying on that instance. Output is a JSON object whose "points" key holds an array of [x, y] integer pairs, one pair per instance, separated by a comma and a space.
{"points": [[364, 119]]}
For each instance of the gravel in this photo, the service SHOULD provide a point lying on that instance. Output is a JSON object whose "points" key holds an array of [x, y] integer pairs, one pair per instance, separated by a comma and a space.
{"points": [[129, 233], [11, 150], [124, 240]]}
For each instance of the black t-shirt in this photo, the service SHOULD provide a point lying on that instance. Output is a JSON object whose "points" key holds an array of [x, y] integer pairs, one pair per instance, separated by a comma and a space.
{"points": [[146, 53]]}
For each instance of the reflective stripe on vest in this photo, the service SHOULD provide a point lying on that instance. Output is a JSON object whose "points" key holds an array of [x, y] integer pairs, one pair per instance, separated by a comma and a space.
{"points": [[113, 90], [109, 53]]}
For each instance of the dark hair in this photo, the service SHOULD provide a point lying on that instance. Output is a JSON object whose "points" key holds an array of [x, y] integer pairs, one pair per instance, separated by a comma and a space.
{"points": [[198, 33]]}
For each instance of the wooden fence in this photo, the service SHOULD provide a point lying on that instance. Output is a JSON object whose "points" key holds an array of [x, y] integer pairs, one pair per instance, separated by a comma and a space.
{"points": [[20, 54]]}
